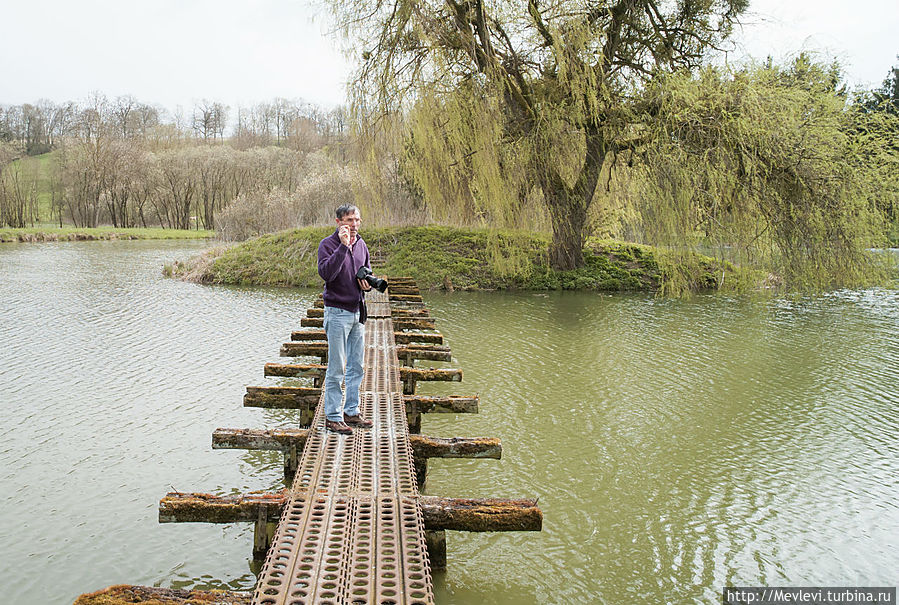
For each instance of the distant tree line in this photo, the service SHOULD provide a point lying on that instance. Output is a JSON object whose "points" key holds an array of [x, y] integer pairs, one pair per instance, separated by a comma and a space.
{"points": [[129, 164]]}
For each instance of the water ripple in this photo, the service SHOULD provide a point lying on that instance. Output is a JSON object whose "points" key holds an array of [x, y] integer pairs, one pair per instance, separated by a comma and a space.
{"points": [[675, 446]]}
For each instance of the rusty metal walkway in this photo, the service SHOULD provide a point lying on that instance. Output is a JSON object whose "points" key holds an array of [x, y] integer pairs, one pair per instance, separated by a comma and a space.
{"points": [[352, 530]]}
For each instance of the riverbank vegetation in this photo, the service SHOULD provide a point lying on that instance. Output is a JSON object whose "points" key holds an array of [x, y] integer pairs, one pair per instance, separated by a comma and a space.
{"points": [[75, 234], [778, 169], [580, 118], [473, 259]]}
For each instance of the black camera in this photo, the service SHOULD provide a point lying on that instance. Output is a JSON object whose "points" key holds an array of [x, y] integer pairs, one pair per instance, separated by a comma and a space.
{"points": [[376, 282]]}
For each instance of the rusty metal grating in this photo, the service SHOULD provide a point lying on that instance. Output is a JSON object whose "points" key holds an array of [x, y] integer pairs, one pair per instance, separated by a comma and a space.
{"points": [[352, 531]]}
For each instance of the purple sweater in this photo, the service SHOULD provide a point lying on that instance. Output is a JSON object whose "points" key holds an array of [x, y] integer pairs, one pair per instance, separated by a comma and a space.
{"points": [[338, 266]]}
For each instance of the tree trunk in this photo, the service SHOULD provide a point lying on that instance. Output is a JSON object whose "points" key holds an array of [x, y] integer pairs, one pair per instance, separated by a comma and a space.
{"points": [[568, 205], [568, 212]]}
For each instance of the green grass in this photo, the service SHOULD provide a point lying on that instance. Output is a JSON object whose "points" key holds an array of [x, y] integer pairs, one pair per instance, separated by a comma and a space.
{"points": [[444, 257], [54, 234]]}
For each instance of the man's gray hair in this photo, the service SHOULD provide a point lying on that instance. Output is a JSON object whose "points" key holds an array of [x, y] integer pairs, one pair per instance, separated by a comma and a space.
{"points": [[345, 209]]}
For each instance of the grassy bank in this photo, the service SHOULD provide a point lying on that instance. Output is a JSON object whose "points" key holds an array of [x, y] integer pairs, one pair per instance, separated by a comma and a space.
{"points": [[72, 234], [449, 258]]}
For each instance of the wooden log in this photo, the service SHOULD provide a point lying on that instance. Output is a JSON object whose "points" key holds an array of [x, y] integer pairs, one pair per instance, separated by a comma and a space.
{"points": [[402, 338], [306, 348], [125, 594], [312, 322], [481, 514], [405, 313], [411, 351], [406, 304], [259, 439], [288, 398], [451, 404], [459, 514], [308, 335], [298, 370], [431, 374], [399, 304], [411, 376], [315, 312], [403, 290], [420, 323], [178, 507], [423, 446], [405, 297]]}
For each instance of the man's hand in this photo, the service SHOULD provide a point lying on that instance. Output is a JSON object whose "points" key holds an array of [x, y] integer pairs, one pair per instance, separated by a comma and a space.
{"points": [[344, 233], [364, 284]]}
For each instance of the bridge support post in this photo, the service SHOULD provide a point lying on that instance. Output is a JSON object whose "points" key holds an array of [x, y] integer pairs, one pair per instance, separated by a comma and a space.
{"points": [[291, 461], [413, 418], [421, 471], [263, 532], [435, 540]]}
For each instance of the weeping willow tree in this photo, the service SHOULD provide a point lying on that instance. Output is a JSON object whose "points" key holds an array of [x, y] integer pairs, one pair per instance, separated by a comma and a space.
{"points": [[520, 96], [770, 166]]}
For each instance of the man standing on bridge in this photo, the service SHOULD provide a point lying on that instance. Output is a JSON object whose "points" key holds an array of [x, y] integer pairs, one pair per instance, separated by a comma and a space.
{"points": [[340, 255]]}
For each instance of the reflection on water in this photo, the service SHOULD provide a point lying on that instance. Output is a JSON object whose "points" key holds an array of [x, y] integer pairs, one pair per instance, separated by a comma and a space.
{"points": [[675, 446]]}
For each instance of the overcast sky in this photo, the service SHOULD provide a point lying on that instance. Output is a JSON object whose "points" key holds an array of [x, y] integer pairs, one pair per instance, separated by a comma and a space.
{"points": [[177, 52]]}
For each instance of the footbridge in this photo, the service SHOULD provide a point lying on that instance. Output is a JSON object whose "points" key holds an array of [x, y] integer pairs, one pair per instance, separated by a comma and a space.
{"points": [[353, 527]]}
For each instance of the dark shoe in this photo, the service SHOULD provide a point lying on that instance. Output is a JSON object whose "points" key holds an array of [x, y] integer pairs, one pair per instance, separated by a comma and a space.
{"points": [[358, 421], [338, 427]]}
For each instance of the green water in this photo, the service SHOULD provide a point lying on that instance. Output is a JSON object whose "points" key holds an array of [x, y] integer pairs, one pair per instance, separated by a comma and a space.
{"points": [[675, 446]]}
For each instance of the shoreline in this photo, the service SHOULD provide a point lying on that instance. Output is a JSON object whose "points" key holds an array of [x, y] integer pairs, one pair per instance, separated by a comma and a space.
{"points": [[447, 258], [76, 234]]}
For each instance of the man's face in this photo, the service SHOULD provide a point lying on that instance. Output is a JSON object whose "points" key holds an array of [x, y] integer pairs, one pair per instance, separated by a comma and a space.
{"points": [[351, 220]]}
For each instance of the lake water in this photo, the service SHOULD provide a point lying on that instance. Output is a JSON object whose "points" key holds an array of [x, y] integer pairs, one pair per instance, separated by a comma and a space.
{"points": [[676, 446]]}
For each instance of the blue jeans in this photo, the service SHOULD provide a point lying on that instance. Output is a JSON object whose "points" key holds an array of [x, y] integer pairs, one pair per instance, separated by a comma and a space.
{"points": [[346, 346]]}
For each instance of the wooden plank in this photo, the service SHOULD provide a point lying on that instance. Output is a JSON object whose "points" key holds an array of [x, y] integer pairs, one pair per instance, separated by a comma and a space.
{"points": [[423, 446], [308, 335], [409, 313], [289, 398], [481, 514], [259, 439], [305, 348], [451, 404], [431, 374], [179, 507], [420, 323], [404, 297], [460, 514], [427, 352], [422, 337], [296, 370], [126, 594]]}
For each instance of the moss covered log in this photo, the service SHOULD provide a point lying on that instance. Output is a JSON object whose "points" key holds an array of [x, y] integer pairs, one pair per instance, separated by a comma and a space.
{"points": [[292, 398], [461, 514], [451, 404], [123, 594], [423, 446]]}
